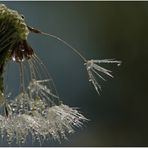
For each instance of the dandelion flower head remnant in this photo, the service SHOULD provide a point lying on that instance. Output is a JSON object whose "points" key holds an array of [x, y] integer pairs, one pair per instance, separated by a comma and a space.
{"points": [[36, 110]]}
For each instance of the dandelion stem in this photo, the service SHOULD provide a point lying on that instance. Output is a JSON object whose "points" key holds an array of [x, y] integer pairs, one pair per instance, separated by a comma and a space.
{"points": [[22, 85], [1, 77], [3, 57], [63, 41]]}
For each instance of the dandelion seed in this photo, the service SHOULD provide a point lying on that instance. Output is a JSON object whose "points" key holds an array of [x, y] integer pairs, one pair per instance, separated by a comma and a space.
{"points": [[14, 127], [62, 120], [94, 69], [40, 90]]}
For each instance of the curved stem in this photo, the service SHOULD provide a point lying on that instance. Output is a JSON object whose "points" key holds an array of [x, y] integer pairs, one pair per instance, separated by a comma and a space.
{"points": [[58, 38]]}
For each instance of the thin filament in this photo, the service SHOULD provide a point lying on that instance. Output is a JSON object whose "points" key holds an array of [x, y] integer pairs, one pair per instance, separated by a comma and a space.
{"points": [[22, 83], [46, 71], [63, 41], [58, 38]]}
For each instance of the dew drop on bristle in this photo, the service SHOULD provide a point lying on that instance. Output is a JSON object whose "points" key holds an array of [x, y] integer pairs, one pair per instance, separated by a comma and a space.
{"points": [[119, 64]]}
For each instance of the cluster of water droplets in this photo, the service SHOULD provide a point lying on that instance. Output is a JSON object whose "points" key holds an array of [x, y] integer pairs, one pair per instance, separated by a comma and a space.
{"points": [[95, 69], [35, 111]]}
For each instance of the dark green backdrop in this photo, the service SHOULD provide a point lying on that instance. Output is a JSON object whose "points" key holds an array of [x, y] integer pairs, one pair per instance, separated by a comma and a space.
{"points": [[119, 117]]}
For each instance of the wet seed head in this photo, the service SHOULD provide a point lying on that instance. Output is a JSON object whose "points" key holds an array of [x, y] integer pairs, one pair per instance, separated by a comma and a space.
{"points": [[13, 20]]}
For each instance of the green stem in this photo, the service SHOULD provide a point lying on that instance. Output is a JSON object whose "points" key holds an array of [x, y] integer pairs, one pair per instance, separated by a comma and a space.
{"points": [[3, 59], [1, 80]]}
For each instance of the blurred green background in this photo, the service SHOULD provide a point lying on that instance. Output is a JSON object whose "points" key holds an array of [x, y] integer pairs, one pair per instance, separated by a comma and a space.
{"points": [[99, 30]]}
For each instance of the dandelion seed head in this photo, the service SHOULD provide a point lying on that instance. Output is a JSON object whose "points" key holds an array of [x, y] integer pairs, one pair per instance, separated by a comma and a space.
{"points": [[36, 110], [13, 35], [13, 19]]}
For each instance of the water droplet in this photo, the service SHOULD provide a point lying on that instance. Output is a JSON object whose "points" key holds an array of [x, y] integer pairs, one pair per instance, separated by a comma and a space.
{"points": [[119, 64], [22, 140], [9, 141], [70, 131], [2, 135], [13, 109], [8, 135]]}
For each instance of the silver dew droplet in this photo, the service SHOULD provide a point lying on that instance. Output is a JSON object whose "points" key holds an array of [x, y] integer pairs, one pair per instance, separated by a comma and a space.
{"points": [[119, 64]]}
